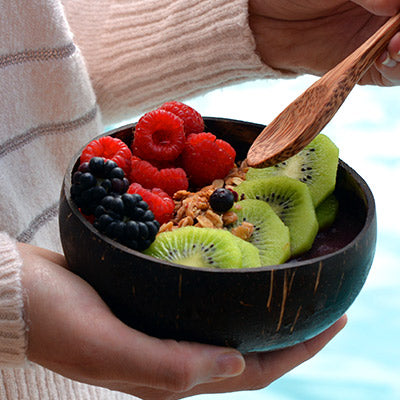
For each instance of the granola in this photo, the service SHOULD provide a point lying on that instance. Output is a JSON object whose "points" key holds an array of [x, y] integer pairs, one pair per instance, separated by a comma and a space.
{"points": [[193, 208]]}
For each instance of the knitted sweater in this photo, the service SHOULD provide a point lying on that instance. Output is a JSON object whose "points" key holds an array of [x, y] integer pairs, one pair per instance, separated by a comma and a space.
{"points": [[65, 70]]}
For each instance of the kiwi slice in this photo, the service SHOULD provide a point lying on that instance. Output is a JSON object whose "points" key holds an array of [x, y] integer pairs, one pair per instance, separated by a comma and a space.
{"points": [[250, 253], [327, 211], [197, 247], [270, 235], [291, 201], [316, 165]]}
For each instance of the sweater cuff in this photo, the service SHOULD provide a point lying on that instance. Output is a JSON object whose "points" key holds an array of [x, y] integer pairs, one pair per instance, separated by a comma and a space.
{"points": [[12, 324], [144, 52]]}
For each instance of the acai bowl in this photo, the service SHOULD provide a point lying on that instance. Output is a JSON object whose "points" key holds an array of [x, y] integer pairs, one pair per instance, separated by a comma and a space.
{"points": [[257, 308]]}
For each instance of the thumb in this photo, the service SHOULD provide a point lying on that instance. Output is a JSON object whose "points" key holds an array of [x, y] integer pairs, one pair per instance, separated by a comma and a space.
{"points": [[168, 364]]}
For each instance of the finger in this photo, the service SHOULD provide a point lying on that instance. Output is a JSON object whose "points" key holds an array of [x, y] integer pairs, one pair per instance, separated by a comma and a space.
{"points": [[394, 47], [166, 364], [264, 368], [388, 64]]}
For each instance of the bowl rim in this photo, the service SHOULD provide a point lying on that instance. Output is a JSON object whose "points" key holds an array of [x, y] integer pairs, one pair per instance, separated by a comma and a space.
{"points": [[369, 219]]}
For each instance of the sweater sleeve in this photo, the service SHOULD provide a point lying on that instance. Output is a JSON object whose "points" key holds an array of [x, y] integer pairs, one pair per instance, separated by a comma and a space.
{"points": [[141, 53], [12, 325]]}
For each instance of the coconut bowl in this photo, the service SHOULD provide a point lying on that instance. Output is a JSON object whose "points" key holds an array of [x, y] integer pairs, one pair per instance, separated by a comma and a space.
{"points": [[256, 309]]}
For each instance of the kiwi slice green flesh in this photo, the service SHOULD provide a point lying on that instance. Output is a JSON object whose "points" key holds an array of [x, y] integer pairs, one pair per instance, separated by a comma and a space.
{"points": [[270, 235], [327, 211], [291, 201], [250, 253], [197, 247], [316, 165]]}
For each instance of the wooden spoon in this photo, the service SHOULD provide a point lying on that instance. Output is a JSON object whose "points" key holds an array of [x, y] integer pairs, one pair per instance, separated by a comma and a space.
{"points": [[303, 119]]}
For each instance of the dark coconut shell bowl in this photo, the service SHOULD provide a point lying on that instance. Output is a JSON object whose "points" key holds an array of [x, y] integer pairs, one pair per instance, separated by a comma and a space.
{"points": [[257, 309]]}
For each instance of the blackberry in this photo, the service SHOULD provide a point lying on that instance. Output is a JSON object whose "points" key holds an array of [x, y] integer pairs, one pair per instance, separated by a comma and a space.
{"points": [[94, 180], [221, 200], [127, 219]]}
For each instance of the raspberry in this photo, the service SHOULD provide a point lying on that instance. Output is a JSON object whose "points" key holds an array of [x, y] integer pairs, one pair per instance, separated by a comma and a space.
{"points": [[109, 148], [159, 135], [170, 180], [192, 120], [206, 158], [144, 173], [164, 164], [159, 202]]}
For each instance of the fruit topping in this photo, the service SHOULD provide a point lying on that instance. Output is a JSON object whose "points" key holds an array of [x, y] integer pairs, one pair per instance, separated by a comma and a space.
{"points": [[159, 202], [180, 195], [94, 180], [143, 172], [170, 180], [316, 165], [192, 119], [291, 200], [109, 148], [206, 158], [127, 219], [327, 211], [250, 253], [269, 234], [159, 135], [198, 247], [222, 200]]}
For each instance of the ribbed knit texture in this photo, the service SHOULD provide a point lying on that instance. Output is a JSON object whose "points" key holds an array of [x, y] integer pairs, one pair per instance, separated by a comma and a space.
{"points": [[12, 325], [138, 54], [148, 52], [36, 383]]}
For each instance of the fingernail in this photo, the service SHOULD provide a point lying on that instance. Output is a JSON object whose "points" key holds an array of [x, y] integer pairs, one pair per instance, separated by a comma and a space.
{"points": [[228, 365], [387, 61]]}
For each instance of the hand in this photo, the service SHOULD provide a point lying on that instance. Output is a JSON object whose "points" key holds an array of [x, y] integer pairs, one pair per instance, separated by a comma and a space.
{"points": [[72, 332], [312, 36]]}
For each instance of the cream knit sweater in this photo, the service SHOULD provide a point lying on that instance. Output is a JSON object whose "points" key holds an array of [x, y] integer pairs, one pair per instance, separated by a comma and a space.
{"points": [[64, 71]]}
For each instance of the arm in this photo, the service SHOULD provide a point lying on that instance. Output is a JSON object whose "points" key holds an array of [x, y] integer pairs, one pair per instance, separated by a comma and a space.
{"points": [[313, 37], [141, 54]]}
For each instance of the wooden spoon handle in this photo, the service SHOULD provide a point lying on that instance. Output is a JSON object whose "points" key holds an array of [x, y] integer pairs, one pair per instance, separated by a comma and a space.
{"points": [[304, 118]]}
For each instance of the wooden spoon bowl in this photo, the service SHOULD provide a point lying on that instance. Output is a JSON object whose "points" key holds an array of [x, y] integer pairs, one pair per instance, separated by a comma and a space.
{"points": [[256, 309]]}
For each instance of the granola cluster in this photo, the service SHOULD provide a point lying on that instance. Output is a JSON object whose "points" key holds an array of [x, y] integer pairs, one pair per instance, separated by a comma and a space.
{"points": [[193, 208]]}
